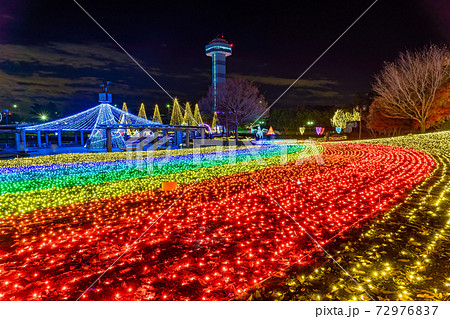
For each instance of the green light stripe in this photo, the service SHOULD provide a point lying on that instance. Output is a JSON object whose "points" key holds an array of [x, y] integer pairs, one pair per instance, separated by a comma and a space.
{"points": [[33, 200]]}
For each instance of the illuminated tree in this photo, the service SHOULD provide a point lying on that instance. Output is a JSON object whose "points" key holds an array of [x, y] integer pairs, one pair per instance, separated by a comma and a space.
{"points": [[407, 87], [157, 115], [197, 115], [188, 117], [214, 121], [125, 120], [338, 119], [125, 107], [377, 122], [440, 107], [177, 116], [238, 101], [341, 118], [142, 112]]}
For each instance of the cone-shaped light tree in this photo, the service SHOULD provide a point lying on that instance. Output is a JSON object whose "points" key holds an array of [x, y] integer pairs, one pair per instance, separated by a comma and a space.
{"points": [[157, 115], [177, 116], [214, 122], [124, 120], [188, 117], [142, 112], [125, 107], [197, 115]]}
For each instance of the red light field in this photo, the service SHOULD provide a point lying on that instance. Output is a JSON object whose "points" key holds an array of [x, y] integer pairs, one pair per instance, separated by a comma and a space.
{"points": [[222, 237]]}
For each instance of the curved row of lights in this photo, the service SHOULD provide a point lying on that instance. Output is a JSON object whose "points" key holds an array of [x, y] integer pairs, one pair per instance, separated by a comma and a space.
{"points": [[218, 240], [142, 179], [397, 257], [58, 176]]}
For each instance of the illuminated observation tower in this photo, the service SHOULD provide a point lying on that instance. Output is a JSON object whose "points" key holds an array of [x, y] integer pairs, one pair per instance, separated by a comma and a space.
{"points": [[218, 49]]}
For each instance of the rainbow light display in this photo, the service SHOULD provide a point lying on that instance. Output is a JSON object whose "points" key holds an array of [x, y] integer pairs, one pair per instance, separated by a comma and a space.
{"points": [[58, 176], [144, 177], [218, 240]]}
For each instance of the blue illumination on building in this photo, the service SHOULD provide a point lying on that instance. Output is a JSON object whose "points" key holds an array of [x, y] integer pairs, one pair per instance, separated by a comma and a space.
{"points": [[91, 120], [218, 49]]}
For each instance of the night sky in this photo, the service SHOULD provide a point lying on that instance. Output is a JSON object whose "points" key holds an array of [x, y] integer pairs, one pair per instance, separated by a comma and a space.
{"points": [[50, 51]]}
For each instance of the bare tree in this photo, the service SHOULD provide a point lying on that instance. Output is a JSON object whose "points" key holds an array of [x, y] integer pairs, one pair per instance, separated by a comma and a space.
{"points": [[407, 86], [238, 101]]}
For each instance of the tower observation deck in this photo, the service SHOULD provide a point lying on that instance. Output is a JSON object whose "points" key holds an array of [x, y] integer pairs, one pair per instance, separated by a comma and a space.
{"points": [[218, 49]]}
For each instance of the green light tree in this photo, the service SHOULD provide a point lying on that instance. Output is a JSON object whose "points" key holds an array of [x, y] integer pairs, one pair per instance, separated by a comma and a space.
{"points": [[341, 118]]}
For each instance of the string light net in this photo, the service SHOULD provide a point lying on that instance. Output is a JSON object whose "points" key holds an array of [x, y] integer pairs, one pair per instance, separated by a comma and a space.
{"points": [[90, 120]]}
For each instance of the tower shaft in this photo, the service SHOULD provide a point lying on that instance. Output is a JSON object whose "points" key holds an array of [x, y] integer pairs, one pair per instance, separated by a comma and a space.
{"points": [[218, 49]]}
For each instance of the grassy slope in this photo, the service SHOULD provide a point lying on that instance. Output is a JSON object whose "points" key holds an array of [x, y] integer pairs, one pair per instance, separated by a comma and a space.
{"points": [[403, 256]]}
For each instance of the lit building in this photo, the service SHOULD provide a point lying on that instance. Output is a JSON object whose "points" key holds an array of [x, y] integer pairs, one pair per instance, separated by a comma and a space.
{"points": [[218, 49]]}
